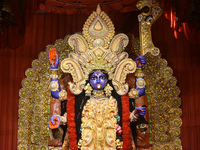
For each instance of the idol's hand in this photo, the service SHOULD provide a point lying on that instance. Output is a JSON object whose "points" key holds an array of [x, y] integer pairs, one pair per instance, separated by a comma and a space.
{"points": [[140, 111], [54, 122], [140, 61], [53, 59]]}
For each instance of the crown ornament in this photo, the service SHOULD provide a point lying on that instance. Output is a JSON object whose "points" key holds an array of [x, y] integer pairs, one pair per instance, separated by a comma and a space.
{"points": [[98, 48], [98, 63]]}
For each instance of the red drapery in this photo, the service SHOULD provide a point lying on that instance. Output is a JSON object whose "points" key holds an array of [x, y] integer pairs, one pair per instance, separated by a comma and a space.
{"points": [[44, 29], [190, 29], [14, 37], [87, 6]]}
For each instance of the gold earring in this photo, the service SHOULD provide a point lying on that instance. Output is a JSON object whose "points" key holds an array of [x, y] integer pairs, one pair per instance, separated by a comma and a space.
{"points": [[108, 90], [88, 89]]}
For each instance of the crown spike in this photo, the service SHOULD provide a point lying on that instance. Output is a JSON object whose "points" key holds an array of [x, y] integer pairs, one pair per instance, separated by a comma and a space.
{"points": [[98, 9]]}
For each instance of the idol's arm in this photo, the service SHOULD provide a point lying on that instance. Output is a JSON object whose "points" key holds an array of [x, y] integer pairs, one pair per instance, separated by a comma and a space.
{"points": [[140, 83], [139, 89], [56, 92]]}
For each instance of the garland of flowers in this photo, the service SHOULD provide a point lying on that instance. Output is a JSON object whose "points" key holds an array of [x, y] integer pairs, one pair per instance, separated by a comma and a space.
{"points": [[126, 134], [71, 120]]}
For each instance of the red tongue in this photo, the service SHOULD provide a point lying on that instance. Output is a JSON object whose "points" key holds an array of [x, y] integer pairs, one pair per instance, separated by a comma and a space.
{"points": [[98, 86]]}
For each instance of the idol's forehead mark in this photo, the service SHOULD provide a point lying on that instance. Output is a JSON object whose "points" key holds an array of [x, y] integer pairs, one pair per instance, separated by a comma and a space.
{"points": [[98, 73]]}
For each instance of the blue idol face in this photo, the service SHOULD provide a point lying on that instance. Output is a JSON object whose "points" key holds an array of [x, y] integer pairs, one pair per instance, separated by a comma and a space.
{"points": [[98, 80]]}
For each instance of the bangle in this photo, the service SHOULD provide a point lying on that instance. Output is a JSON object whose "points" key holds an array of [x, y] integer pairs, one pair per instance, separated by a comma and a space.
{"points": [[53, 76], [54, 71], [139, 73]]}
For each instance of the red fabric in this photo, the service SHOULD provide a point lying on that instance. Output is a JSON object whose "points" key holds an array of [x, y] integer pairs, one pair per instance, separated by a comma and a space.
{"points": [[190, 29], [191, 32], [71, 120], [14, 37], [170, 14], [126, 131], [87, 6]]}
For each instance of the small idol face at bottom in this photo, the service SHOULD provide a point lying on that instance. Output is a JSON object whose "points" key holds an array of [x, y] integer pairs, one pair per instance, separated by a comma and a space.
{"points": [[98, 80]]}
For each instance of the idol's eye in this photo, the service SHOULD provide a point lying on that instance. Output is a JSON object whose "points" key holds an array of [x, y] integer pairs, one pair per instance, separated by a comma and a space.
{"points": [[103, 78], [93, 78]]}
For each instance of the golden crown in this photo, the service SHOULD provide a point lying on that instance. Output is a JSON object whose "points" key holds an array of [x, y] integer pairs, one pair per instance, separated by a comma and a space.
{"points": [[98, 48]]}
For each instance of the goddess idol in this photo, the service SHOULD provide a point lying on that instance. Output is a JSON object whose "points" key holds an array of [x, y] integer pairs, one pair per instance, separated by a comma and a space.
{"points": [[97, 110]]}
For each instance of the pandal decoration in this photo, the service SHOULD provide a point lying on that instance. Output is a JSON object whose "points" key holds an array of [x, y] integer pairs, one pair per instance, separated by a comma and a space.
{"points": [[95, 46]]}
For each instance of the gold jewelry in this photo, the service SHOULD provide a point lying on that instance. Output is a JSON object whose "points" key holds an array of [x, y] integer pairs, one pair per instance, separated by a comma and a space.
{"points": [[63, 119], [80, 143], [133, 93], [98, 63], [132, 116], [88, 89], [119, 144], [53, 76], [54, 71], [140, 83], [98, 94], [139, 72], [63, 95], [54, 86], [108, 90]]}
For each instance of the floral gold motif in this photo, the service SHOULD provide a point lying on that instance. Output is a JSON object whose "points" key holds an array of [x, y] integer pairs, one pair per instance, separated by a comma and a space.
{"points": [[63, 95]]}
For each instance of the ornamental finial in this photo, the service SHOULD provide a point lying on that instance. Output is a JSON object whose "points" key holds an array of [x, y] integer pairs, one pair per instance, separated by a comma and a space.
{"points": [[98, 10]]}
